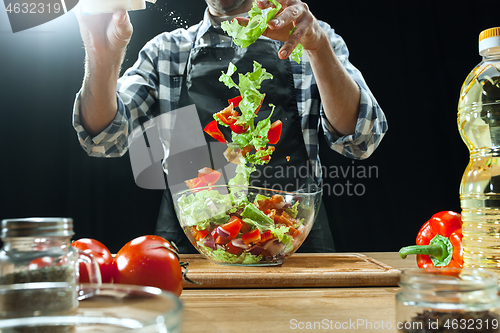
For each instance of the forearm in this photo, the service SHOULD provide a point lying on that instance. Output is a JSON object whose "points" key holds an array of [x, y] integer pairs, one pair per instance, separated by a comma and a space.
{"points": [[98, 97], [339, 92]]}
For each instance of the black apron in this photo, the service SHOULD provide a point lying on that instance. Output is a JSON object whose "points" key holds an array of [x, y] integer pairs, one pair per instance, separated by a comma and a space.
{"points": [[289, 167]]}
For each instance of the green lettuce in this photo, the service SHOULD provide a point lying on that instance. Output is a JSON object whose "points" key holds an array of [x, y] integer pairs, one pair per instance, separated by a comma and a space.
{"points": [[294, 210], [282, 234], [202, 208], [221, 255], [246, 35]]}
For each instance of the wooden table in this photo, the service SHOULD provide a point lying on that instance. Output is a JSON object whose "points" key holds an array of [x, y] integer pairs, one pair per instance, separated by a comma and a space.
{"points": [[345, 309]]}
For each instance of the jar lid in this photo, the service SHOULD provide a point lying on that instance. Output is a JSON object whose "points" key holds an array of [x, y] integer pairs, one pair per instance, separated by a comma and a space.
{"points": [[489, 38], [37, 227]]}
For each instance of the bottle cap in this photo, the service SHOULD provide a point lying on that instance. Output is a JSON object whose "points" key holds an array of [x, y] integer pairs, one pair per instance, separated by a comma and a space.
{"points": [[489, 38], [37, 227]]}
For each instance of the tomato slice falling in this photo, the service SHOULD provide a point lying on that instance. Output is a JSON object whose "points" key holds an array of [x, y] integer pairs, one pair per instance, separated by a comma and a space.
{"points": [[213, 130], [274, 133], [235, 101], [238, 129], [228, 115], [195, 182], [208, 175]]}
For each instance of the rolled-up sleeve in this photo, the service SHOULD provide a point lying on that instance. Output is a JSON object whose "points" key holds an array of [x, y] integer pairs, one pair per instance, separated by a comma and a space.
{"points": [[136, 95], [371, 125], [111, 142]]}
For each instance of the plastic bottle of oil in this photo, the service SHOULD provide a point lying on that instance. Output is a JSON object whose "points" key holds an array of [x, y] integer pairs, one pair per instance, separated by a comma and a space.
{"points": [[479, 126]]}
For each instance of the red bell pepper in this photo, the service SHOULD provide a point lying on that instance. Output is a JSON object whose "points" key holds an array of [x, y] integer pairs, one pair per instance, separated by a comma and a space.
{"points": [[199, 234], [251, 237], [235, 101], [233, 227], [238, 129], [266, 235], [228, 115], [213, 130], [274, 133], [439, 242]]}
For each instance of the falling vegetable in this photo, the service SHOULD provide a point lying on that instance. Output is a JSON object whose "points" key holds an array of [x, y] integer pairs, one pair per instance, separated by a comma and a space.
{"points": [[245, 35], [439, 242]]}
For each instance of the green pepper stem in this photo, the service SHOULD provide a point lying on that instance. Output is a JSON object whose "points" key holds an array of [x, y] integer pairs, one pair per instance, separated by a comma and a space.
{"points": [[431, 250]]}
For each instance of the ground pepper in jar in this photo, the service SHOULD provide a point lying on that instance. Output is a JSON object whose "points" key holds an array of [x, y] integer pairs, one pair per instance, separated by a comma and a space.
{"points": [[452, 321], [447, 300]]}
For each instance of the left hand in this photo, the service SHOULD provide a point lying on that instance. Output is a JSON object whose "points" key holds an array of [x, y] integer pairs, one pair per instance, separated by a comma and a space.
{"points": [[293, 14]]}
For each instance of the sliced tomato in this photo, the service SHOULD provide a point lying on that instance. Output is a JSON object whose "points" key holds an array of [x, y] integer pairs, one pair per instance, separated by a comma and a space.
{"points": [[208, 175], [245, 228], [228, 115], [213, 130], [266, 235], [233, 226], [266, 157], [195, 182], [233, 249], [294, 232], [199, 234], [222, 241], [251, 237], [238, 129], [235, 101], [285, 219], [260, 105], [274, 133], [246, 150], [275, 202]]}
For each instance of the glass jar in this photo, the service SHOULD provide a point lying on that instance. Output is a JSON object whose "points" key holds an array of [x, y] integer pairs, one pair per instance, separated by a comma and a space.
{"points": [[448, 300], [37, 252]]}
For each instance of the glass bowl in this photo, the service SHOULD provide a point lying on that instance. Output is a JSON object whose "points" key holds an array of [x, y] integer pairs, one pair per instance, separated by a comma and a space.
{"points": [[113, 308], [246, 225]]}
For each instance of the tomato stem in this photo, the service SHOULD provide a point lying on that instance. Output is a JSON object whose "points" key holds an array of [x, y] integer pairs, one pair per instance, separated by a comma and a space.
{"points": [[175, 250]]}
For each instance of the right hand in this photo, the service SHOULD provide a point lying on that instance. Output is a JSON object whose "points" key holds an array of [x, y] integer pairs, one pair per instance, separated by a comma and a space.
{"points": [[107, 33]]}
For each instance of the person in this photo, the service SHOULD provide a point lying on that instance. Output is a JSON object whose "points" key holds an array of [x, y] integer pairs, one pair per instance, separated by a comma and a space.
{"points": [[179, 68]]}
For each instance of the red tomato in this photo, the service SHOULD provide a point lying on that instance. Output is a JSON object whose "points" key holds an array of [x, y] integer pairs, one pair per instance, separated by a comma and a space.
{"points": [[41, 263], [148, 261], [101, 254]]}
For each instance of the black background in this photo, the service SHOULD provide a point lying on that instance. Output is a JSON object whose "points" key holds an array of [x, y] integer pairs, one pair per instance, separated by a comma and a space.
{"points": [[414, 56]]}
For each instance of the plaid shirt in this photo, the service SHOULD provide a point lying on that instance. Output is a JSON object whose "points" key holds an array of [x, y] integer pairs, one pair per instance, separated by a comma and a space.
{"points": [[156, 77]]}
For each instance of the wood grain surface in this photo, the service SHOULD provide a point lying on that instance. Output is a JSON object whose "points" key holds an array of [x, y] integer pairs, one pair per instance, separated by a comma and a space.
{"points": [[300, 270], [282, 310]]}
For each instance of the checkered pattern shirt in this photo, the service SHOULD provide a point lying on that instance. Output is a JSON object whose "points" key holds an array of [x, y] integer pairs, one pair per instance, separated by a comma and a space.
{"points": [[152, 86]]}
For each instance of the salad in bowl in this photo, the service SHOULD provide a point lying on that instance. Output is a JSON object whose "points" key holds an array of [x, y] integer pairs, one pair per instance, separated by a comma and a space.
{"points": [[235, 223], [245, 225]]}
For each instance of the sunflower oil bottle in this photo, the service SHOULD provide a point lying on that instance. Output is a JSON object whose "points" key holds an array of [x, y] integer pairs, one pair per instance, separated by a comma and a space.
{"points": [[479, 127]]}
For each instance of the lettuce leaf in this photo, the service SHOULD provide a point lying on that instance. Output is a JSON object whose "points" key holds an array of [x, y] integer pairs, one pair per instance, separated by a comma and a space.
{"points": [[204, 207], [220, 255], [246, 35]]}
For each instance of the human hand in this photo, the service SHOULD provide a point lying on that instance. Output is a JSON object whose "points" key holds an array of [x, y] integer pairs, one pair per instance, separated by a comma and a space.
{"points": [[107, 33], [294, 14]]}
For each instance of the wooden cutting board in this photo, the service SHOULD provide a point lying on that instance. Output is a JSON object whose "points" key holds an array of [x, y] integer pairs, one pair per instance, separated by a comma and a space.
{"points": [[300, 270]]}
